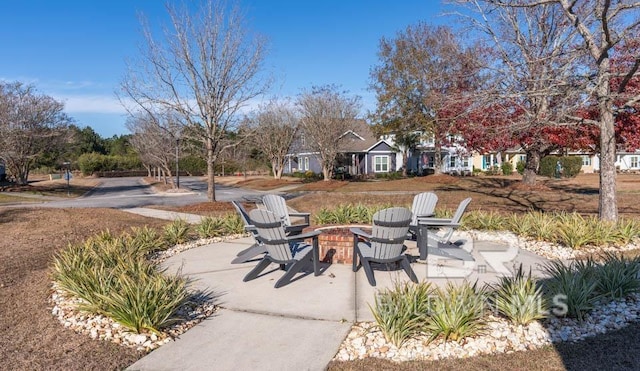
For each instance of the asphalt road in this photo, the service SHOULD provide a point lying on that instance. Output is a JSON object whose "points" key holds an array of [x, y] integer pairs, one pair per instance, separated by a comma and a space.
{"points": [[123, 193]]}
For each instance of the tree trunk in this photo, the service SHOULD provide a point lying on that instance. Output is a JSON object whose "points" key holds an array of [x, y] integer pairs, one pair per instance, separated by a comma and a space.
{"points": [[437, 159], [276, 169], [326, 173], [211, 185], [531, 167], [405, 163], [607, 203]]}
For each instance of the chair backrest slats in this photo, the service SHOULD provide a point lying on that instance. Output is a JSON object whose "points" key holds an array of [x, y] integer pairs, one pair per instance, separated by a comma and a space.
{"points": [[456, 219], [390, 225], [277, 205], [271, 233], [423, 204]]}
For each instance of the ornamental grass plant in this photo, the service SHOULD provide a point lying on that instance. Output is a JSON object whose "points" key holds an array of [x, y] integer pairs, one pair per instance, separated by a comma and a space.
{"points": [[519, 298], [113, 277], [177, 232], [456, 312], [401, 312]]}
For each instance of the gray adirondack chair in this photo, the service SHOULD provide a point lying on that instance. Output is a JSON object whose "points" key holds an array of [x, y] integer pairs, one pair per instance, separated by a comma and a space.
{"points": [[290, 252], [424, 205], [258, 247], [446, 227], [277, 205], [385, 244]]}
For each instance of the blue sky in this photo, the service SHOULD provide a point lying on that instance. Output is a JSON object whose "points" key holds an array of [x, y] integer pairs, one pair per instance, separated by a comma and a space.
{"points": [[75, 51]]}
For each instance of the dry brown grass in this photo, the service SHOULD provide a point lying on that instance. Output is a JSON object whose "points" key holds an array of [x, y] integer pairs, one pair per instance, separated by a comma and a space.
{"points": [[30, 337]]}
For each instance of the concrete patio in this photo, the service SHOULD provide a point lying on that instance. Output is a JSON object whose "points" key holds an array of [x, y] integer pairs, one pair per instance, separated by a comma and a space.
{"points": [[301, 325]]}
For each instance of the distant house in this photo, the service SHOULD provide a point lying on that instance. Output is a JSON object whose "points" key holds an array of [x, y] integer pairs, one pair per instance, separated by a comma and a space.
{"points": [[455, 159], [361, 154]]}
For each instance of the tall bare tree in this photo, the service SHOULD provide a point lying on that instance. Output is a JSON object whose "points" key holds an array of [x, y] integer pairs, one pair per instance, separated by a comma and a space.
{"points": [[31, 124], [601, 24], [275, 126], [421, 80], [206, 68], [535, 69], [326, 113]]}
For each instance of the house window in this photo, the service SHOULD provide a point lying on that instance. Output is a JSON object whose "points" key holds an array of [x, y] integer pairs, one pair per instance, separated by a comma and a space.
{"points": [[465, 161], [381, 164], [306, 163], [303, 141], [523, 158], [634, 162], [586, 161], [452, 161]]}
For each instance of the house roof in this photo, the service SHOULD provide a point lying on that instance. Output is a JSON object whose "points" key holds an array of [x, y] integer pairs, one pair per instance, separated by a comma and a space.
{"points": [[359, 139]]}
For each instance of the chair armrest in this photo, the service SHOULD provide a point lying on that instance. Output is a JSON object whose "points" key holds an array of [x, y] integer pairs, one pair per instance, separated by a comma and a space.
{"points": [[360, 233], [250, 228], [299, 237], [433, 220], [438, 223], [425, 215], [303, 215]]}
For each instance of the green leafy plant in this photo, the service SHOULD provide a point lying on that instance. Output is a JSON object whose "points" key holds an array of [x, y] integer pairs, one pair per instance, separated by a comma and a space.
{"points": [[177, 232], [233, 224], [456, 312], [146, 240], [400, 312], [519, 298], [571, 287], [574, 231], [617, 277], [113, 278], [147, 301], [210, 227], [490, 221]]}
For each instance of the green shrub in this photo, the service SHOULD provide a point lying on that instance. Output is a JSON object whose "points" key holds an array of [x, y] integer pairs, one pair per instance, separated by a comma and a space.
{"points": [[346, 214], [400, 313], [573, 231], [456, 312], [519, 298], [210, 227], [520, 165], [507, 168], [146, 240], [113, 278], [617, 277], [147, 301], [233, 224], [483, 220], [573, 286], [177, 232], [571, 166]]}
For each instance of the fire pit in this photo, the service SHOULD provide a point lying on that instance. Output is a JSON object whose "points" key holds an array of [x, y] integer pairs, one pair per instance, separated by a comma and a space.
{"points": [[336, 242]]}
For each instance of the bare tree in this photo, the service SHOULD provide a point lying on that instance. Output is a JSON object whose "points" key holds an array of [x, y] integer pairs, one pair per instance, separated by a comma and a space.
{"points": [[535, 68], [205, 69], [154, 137], [326, 113], [275, 126], [421, 82], [31, 124], [601, 24]]}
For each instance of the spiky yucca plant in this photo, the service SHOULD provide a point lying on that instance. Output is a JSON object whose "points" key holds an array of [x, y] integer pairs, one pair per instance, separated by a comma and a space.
{"points": [[519, 298], [456, 312], [400, 312]]}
